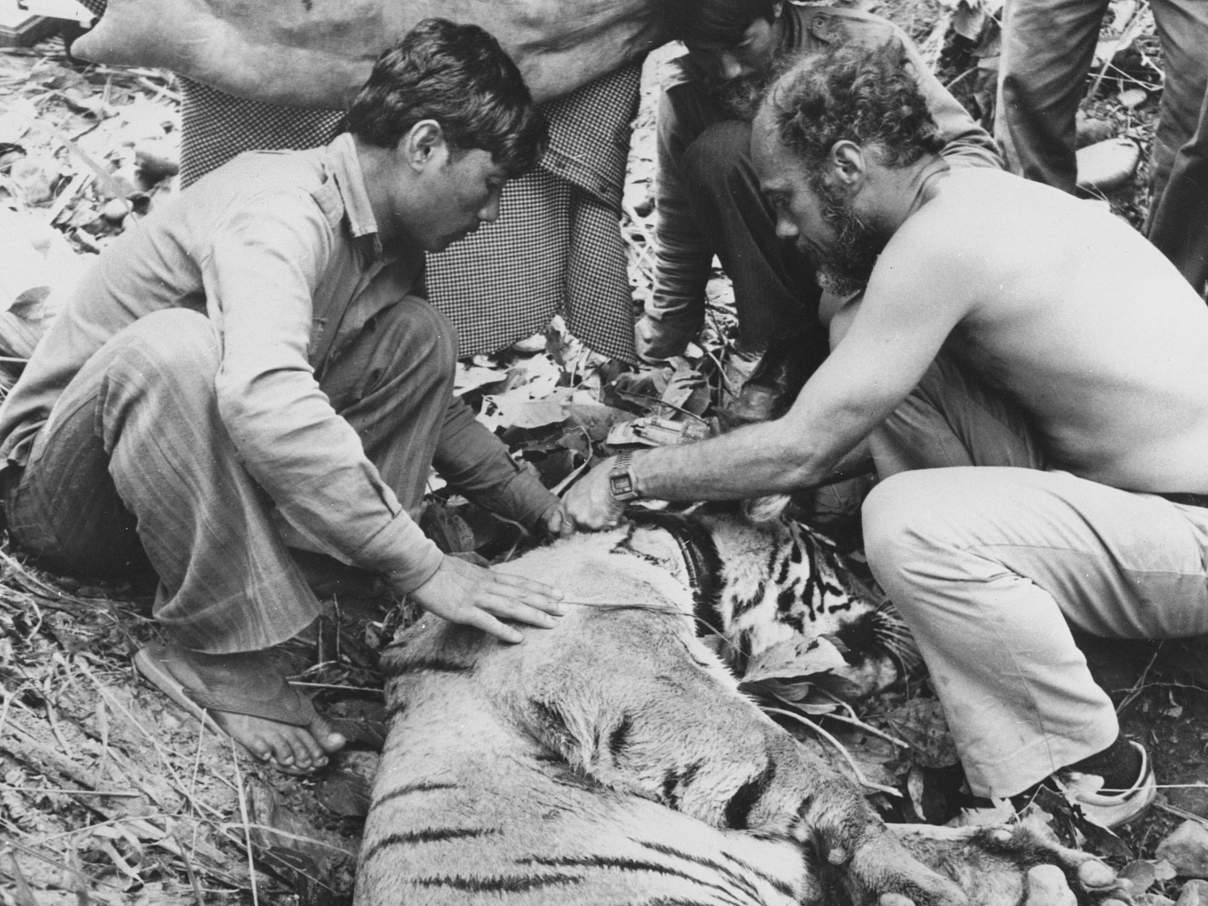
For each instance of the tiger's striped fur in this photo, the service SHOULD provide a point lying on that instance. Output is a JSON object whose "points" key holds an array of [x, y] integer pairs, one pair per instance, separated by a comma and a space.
{"points": [[612, 760]]}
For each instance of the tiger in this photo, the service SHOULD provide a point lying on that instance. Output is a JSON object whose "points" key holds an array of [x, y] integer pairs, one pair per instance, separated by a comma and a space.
{"points": [[613, 761]]}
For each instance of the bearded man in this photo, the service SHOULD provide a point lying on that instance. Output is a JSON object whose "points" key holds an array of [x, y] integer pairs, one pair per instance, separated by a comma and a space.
{"points": [[1039, 435]]}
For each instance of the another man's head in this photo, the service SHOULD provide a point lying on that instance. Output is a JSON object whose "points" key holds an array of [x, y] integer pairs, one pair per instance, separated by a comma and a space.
{"points": [[732, 47], [449, 113], [836, 144]]}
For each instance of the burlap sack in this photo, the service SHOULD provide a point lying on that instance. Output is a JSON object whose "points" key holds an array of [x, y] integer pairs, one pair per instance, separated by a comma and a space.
{"points": [[316, 53]]}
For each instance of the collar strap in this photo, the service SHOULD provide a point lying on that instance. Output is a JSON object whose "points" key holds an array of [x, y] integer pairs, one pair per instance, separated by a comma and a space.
{"points": [[701, 561]]}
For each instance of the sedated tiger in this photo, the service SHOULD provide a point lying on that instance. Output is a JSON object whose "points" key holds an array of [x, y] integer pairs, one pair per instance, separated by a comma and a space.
{"points": [[612, 760]]}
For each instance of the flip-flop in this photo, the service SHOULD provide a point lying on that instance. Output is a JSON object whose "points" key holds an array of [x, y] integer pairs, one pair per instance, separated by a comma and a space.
{"points": [[283, 704]]}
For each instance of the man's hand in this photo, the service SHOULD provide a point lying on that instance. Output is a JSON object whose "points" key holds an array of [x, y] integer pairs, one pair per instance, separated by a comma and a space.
{"points": [[476, 596], [556, 522], [589, 501]]}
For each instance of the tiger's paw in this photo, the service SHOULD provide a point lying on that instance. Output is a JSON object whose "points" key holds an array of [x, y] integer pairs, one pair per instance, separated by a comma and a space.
{"points": [[1018, 863], [882, 872]]}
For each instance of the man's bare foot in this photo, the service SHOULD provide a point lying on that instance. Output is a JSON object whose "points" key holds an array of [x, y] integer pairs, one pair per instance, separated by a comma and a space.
{"points": [[248, 698]]}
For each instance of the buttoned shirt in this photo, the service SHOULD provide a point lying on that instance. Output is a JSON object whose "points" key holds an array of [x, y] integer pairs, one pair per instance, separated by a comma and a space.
{"points": [[282, 252]]}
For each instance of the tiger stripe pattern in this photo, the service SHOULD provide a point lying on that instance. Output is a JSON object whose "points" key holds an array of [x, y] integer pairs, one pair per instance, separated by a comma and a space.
{"points": [[612, 761]]}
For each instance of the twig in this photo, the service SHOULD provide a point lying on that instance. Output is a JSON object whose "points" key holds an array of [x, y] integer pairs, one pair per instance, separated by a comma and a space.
{"points": [[1126, 38], [853, 721], [285, 835], [189, 870], [860, 778], [247, 826], [1138, 687], [1181, 813], [41, 790], [23, 895]]}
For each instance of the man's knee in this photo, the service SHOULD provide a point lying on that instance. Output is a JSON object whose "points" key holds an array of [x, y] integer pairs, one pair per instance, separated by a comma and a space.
{"points": [[413, 332], [171, 341], [718, 152], [907, 519]]}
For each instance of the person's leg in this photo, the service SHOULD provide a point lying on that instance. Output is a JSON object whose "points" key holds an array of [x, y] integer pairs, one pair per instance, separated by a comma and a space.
{"points": [[1182, 27], [987, 566], [394, 383], [1178, 222], [1047, 48], [774, 286], [135, 449], [952, 419]]}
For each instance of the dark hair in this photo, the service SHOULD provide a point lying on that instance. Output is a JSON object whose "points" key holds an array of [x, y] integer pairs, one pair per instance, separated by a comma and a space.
{"points": [[715, 21], [868, 95], [459, 76]]}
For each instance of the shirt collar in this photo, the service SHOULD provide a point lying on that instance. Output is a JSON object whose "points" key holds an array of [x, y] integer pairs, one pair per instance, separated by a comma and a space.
{"points": [[345, 166]]}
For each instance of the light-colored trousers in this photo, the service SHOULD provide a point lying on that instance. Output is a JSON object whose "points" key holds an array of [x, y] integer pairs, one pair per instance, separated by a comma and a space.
{"points": [[135, 463], [991, 558]]}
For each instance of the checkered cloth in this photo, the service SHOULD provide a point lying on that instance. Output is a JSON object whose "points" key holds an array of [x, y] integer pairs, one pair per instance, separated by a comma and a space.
{"points": [[556, 246]]}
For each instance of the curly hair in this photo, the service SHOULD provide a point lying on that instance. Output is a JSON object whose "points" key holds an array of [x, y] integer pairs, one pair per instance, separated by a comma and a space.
{"points": [[714, 21], [459, 76], [868, 95]]}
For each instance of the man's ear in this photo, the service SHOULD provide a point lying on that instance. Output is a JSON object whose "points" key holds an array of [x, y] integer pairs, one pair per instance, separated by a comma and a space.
{"points": [[847, 164], [424, 144]]}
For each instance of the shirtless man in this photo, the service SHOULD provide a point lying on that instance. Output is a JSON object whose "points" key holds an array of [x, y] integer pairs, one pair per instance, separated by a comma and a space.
{"points": [[1039, 432]]}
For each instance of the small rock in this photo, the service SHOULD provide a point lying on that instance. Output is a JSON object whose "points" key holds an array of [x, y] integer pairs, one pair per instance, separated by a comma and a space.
{"points": [[1195, 893], [1187, 849], [1132, 98], [530, 345], [1047, 887], [1106, 166], [115, 210]]}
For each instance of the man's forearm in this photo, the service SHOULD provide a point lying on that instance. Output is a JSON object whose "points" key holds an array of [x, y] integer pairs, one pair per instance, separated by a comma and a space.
{"points": [[749, 462], [476, 463]]}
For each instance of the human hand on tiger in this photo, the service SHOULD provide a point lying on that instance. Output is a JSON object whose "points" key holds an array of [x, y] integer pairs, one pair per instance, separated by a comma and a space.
{"points": [[473, 595], [589, 501]]}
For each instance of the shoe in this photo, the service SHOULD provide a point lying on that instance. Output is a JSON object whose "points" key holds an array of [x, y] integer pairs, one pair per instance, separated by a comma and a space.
{"points": [[1114, 808], [1106, 809], [269, 697]]}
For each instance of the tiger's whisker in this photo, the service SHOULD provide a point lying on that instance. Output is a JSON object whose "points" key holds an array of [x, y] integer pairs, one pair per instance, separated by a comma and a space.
{"points": [[626, 605], [851, 763]]}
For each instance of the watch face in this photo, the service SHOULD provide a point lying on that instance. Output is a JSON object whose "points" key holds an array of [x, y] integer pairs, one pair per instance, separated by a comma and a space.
{"points": [[621, 486]]}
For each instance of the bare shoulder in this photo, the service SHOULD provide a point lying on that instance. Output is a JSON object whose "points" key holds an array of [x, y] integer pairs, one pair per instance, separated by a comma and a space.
{"points": [[979, 220]]}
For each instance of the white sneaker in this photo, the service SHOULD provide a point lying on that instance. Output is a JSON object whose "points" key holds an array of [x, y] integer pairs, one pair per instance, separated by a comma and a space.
{"points": [[1108, 809]]}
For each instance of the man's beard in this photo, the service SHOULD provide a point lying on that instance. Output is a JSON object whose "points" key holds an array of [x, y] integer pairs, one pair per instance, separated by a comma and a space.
{"points": [[845, 265], [739, 98]]}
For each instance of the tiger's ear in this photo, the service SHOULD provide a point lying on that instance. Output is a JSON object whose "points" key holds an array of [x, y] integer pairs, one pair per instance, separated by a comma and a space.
{"points": [[765, 509]]}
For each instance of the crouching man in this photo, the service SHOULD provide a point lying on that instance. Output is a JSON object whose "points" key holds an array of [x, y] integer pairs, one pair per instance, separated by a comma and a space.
{"points": [[1032, 378], [253, 369]]}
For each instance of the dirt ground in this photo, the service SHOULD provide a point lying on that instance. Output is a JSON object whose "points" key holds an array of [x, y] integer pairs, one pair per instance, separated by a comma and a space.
{"points": [[111, 795]]}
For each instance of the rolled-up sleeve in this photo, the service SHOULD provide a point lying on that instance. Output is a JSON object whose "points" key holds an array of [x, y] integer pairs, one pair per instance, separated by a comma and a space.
{"points": [[259, 277]]}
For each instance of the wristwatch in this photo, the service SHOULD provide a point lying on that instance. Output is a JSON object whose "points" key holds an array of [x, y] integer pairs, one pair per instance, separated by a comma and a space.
{"points": [[621, 483]]}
